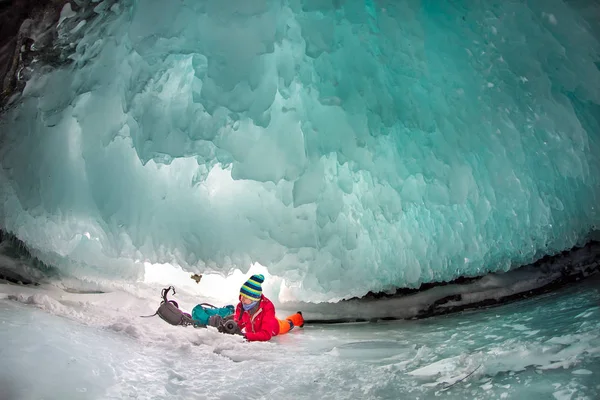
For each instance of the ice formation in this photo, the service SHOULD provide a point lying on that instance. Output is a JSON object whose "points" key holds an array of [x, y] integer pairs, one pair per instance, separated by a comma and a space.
{"points": [[347, 146]]}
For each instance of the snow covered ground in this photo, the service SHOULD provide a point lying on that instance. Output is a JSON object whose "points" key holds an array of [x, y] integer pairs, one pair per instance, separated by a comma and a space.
{"points": [[94, 346]]}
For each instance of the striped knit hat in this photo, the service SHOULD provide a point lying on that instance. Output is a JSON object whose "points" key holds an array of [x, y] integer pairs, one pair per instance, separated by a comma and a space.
{"points": [[252, 289]]}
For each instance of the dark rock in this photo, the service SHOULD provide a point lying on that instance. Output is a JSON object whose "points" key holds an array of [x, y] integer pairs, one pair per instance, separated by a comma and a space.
{"points": [[14, 248], [14, 277], [27, 27]]}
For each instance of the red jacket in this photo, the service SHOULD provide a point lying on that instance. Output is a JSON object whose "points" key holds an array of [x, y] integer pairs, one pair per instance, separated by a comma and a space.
{"points": [[262, 325]]}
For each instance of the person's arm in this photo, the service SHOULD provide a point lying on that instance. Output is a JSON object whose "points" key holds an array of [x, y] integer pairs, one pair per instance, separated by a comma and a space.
{"points": [[237, 316], [269, 327]]}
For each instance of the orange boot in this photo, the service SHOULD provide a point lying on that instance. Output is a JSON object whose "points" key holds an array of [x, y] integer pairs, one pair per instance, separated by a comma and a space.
{"points": [[296, 319]]}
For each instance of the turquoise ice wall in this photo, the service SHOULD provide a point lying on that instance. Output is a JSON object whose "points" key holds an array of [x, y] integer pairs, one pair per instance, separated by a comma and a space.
{"points": [[347, 145]]}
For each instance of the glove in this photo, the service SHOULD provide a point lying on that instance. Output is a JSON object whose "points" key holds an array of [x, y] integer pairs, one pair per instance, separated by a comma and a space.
{"points": [[230, 327], [215, 320]]}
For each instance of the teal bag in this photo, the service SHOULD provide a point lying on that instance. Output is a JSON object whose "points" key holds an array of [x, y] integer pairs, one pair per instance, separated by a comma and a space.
{"points": [[202, 312]]}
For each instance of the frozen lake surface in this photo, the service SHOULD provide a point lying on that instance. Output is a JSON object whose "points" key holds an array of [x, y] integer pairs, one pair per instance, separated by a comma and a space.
{"points": [[93, 346]]}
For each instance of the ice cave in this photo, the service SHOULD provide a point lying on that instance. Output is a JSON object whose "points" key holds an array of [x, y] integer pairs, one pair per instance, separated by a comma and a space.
{"points": [[420, 178]]}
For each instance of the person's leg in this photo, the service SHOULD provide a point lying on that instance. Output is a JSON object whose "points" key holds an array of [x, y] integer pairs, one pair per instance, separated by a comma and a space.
{"points": [[290, 322], [284, 326]]}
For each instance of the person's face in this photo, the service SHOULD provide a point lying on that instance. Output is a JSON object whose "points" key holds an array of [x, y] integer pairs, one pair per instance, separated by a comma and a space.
{"points": [[246, 300]]}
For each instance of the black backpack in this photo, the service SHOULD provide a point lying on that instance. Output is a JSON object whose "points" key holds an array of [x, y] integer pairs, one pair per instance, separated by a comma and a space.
{"points": [[169, 311]]}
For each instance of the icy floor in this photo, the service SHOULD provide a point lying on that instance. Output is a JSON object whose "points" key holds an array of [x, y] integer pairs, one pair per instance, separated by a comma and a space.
{"points": [[60, 345]]}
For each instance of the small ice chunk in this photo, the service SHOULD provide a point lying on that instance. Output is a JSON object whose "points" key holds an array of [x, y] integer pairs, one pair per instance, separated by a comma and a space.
{"points": [[551, 17], [66, 12], [582, 372], [78, 26], [518, 327], [331, 101], [564, 394], [586, 313], [564, 340], [492, 337], [439, 367]]}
